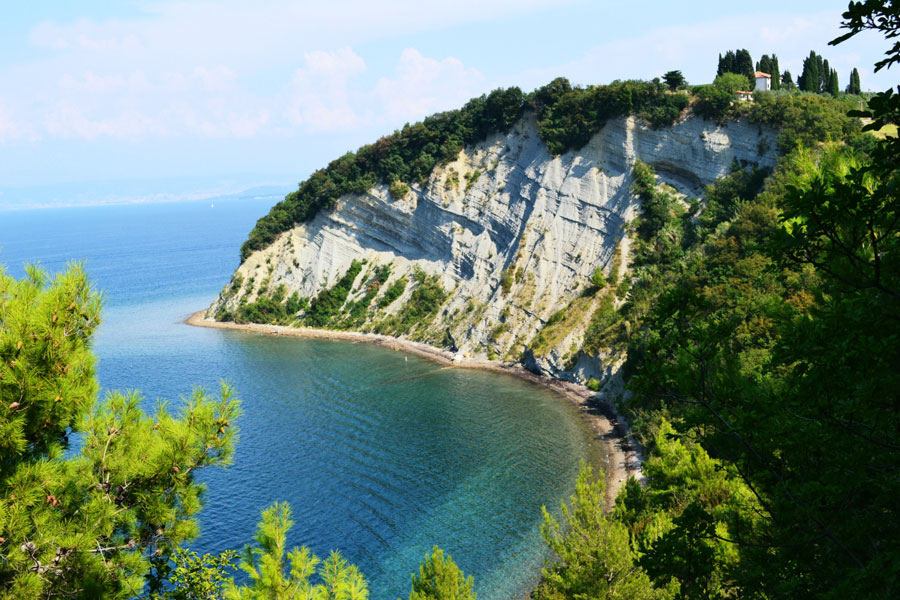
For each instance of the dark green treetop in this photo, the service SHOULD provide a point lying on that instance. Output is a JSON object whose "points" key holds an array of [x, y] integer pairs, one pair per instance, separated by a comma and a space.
{"points": [[674, 79]]}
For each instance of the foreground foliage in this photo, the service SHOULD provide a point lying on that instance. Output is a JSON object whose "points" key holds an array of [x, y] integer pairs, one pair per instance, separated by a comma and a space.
{"points": [[765, 353], [86, 524], [110, 520], [595, 556], [274, 578], [278, 574]]}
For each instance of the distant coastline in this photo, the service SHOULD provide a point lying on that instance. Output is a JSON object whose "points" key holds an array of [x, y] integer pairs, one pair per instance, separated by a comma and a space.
{"points": [[107, 194], [622, 457]]}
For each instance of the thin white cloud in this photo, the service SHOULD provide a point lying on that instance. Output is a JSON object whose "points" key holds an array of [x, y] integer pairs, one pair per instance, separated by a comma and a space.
{"points": [[319, 96], [70, 121], [93, 83], [10, 129], [195, 68], [327, 93], [421, 86], [87, 35], [233, 29]]}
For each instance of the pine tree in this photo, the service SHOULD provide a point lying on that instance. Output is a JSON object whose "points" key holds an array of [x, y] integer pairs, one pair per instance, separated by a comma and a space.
{"points": [[674, 79], [274, 578], [596, 558], [440, 579], [86, 525]]}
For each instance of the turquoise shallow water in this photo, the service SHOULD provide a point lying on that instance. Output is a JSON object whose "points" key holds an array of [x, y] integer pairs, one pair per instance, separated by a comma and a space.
{"points": [[380, 454]]}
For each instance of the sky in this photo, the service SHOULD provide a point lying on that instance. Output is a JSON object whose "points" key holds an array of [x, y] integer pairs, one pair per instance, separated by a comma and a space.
{"points": [[266, 92]]}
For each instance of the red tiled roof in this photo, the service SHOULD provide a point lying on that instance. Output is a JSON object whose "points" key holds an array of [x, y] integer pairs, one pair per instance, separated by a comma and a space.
{"points": [[759, 74]]}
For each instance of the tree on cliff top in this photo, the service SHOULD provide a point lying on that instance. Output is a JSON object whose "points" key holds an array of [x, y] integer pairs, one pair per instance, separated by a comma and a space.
{"points": [[674, 79]]}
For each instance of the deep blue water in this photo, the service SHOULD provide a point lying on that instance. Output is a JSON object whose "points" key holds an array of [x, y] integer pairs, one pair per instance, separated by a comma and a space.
{"points": [[381, 455]]}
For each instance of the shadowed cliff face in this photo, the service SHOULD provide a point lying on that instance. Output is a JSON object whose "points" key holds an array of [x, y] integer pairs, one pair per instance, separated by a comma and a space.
{"points": [[511, 234]]}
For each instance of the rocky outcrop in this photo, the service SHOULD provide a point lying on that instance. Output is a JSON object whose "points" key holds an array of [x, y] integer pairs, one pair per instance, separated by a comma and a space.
{"points": [[512, 234]]}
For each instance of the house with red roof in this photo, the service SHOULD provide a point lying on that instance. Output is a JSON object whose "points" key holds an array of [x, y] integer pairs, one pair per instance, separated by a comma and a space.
{"points": [[763, 81]]}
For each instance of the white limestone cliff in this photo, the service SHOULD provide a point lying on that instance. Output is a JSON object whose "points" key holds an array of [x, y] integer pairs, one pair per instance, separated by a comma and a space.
{"points": [[513, 233]]}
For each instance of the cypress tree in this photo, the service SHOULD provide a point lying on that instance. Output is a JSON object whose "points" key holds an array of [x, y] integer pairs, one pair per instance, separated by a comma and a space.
{"points": [[786, 80], [853, 87], [726, 63], [743, 64], [834, 87], [776, 73], [809, 78], [822, 72], [801, 78], [769, 64]]}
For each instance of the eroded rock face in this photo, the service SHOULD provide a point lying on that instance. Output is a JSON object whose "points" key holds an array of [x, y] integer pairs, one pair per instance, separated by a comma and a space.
{"points": [[512, 233]]}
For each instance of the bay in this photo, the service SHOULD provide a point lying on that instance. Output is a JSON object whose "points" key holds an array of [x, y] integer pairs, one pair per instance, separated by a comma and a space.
{"points": [[380, 454]]}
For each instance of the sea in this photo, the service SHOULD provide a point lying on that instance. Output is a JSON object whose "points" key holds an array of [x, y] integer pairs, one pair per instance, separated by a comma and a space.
{"points": [[381, 455]]}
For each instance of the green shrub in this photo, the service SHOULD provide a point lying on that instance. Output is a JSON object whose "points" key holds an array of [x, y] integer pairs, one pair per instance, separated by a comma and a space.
{"points": [[568, 117], [597, 279], [394, 291], [424, 302], [398, 190], [499, 330], [507, 278], [471, 178], [295, 304], [806, 120], [724, 196], [603, 318], [713, 102], [658, 207], [452, 181], [328, 303]]}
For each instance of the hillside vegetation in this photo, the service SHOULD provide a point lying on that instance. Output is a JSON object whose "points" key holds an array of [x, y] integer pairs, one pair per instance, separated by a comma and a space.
{"points": [[762, 347]]}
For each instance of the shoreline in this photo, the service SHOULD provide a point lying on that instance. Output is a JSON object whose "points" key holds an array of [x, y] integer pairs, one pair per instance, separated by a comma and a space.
{"points": [[620, 456]]}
